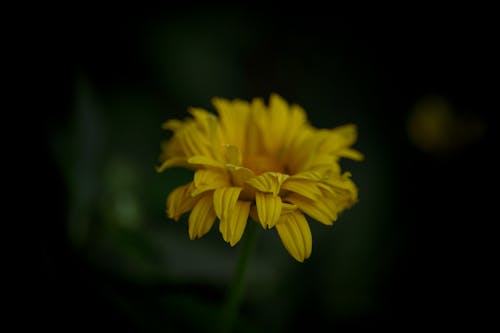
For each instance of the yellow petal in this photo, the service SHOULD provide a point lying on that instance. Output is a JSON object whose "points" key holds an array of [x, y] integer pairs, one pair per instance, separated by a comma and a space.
{"points": [[310, 175], [193, 142], [209, 179], [171, 149], [210, 176], [347, 134], [296, 120], [269, 182], [172, 162], [233, 226], [307, 188], [318, 161], [295, 234], [287, 208], [321, 209], [274, 129], [225, 199], [329, 169], [344, 198], [172, 124], [337, 139], [208, 126], [233, 119], [344, 183], [268, 208], [233, 155], [299, 148], [351, 153], [180, 201], [239, 175], [202, 217], [254, 135], [203, 118], [205, 161]]}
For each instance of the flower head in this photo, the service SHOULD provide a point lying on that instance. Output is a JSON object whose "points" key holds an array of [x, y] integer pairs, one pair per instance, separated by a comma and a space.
{"points": [[263, 162]]}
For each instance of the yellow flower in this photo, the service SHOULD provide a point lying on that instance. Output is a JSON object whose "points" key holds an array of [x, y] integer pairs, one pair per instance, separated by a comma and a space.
{"points": [[263, 162]]}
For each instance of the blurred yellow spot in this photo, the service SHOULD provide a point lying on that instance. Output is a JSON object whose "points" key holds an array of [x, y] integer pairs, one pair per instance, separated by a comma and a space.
{"points": [[434, 128]]}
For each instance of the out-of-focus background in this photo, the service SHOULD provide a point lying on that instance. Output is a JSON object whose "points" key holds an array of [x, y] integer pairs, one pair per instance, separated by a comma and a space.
{"points": [[413, 253]]}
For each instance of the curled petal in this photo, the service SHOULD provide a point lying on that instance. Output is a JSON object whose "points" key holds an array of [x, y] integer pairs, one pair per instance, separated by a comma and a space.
{"points": [[171, 162], [351, 153], [180, 201], [268, 208], [295, 235], [209, 179], [239, 175], [269, 182], [233, 226], [322, 209], [202, 217], [307, 188], [172, 124], [224, 201]]}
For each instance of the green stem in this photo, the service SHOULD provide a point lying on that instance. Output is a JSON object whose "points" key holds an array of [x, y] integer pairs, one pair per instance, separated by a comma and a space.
{"points": [[235, 293]]}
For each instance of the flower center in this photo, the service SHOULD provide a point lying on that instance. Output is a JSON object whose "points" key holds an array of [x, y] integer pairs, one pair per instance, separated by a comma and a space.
{"points": [[262, 163]]}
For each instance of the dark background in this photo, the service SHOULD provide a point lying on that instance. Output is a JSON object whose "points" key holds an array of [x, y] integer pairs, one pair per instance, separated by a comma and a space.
{"points": [[416, 252]]}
